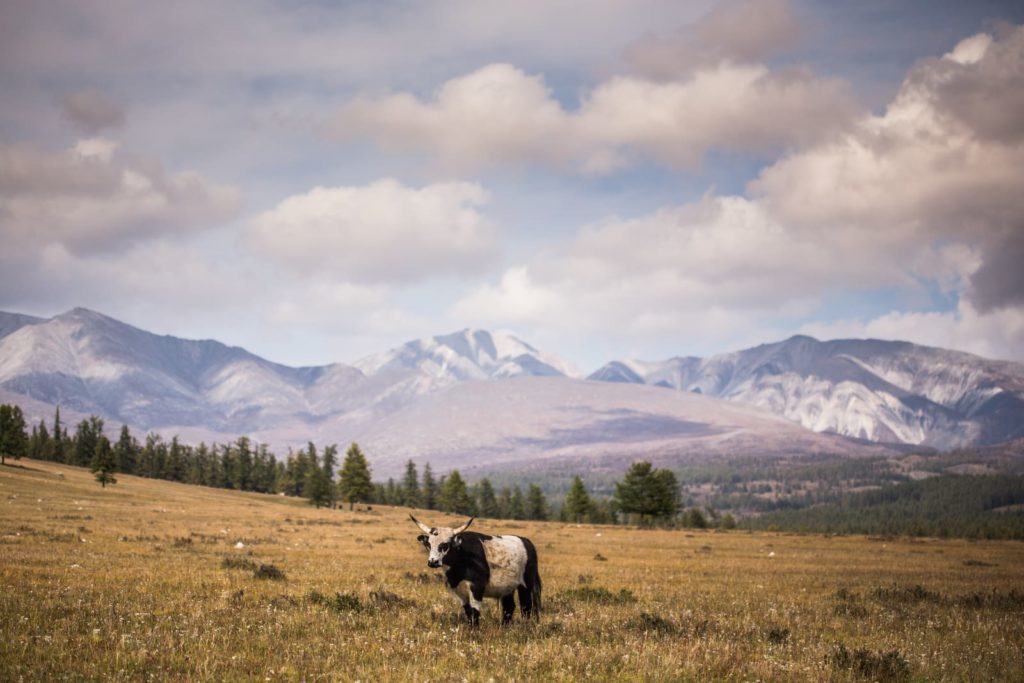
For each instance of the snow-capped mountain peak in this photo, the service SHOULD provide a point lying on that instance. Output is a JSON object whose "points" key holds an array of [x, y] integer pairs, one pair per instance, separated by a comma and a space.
{"points": [[467, 355]]}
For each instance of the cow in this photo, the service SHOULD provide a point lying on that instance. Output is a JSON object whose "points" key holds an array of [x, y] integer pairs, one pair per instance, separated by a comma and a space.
{"points": [[479, 566]]}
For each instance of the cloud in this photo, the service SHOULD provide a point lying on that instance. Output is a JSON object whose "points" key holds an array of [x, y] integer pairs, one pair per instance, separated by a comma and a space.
{"points": [[737, 31], [379, 233], [993, 334], [92, 198], [500, 115], [91, 111], [937, 166], [919, 202], [515, 299], [705, 271]]}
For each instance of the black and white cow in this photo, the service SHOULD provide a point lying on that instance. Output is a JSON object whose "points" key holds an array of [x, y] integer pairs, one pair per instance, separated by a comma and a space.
{"points": [[478, 566]]}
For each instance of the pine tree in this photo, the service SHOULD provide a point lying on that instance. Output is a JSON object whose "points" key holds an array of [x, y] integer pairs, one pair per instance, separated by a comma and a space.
{"points": [[410, 486], [330, 463], [41, 448], [86, 437], [487, 503], [516, 508], [577, 502], [454, 496], [59, 438], [429, 493], [317, 486], [296, 471], [666, 493], [103, 463], [646, 491], [536, 503], [242, 475], [505, 503], [13, 437], [355, 484], [175, 461], [126, 452]]}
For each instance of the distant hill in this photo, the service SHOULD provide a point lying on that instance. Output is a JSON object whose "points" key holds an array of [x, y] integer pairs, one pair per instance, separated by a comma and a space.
{"points": [[890, 392]]}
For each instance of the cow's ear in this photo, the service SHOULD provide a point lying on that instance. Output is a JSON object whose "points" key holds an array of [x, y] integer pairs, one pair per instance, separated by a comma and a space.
{"points": [[424, 539], [457, 540]]}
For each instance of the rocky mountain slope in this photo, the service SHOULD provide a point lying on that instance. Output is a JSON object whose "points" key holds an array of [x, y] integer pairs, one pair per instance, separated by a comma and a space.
{"points": [[475, 398], [893, 392]]}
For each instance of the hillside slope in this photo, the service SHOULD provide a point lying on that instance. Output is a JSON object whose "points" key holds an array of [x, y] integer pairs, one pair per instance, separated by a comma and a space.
{"points": [[893, 392]]}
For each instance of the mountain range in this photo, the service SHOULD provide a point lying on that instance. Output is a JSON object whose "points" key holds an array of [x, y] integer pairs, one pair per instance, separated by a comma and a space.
{"points": [[480, 399]]}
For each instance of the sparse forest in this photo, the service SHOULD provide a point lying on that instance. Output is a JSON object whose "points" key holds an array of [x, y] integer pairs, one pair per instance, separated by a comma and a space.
{"points": [[915, 495]]}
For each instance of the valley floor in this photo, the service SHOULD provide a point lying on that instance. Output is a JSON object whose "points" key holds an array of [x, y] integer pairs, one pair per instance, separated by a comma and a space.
{"points": [[150, 579]]}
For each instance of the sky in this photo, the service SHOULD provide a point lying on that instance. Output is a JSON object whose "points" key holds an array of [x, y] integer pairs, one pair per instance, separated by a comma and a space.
{"points": [[318, 181]]}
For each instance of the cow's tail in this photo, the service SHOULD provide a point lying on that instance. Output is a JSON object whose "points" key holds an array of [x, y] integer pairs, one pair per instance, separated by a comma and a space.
{"points": [[532, 577]]}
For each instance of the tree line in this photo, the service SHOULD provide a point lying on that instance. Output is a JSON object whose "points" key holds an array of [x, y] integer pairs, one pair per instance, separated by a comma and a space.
{"points": [[646, 495]]}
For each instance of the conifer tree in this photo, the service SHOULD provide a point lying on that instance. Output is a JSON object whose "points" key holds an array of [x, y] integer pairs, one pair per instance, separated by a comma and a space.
{"points": [[86, 437], [536, 503], [13, 437], [59, 438], [577, 502], [410, 486], [487, 503], [646, 491], [505, 503], [41, 448], [317, 486], [454, 496], [429, 493], [329, 465], [516, 507], [126, 452], [355, 484], [103, 464]]}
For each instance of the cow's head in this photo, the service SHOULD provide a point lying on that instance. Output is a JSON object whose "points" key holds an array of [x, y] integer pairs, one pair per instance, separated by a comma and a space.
{"points": [[439, 541]]}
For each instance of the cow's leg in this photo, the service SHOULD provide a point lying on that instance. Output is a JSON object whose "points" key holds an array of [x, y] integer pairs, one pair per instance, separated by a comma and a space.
{"points": [[476, 603], [469, 612], [508, 608], [525, 601]]}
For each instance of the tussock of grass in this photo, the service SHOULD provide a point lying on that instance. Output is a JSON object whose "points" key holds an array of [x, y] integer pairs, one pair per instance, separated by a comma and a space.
{"points": [[905, 595], [269, 572], [387, 600], [238, 563], [994, 599], [889, 665], [647, 623], [599, 595], [339, 602]]}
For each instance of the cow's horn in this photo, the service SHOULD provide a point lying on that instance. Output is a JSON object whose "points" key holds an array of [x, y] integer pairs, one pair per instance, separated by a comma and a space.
{"points": [[426, 529], [463, 527]]}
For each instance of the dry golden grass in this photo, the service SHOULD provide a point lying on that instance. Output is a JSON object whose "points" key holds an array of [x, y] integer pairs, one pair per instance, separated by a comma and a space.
{"points": [[143, 580]]}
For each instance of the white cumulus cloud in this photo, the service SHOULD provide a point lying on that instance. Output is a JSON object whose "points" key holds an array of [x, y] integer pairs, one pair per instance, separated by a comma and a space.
{"points": [[381, 232], [500, 115]]}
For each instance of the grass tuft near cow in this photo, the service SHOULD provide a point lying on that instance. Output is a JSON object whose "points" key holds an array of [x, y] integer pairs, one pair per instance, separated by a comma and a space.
{"points": [[479, 566]]}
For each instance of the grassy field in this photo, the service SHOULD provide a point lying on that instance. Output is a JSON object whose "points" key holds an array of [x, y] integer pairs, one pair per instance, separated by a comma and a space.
{"points": [[150, 579]]}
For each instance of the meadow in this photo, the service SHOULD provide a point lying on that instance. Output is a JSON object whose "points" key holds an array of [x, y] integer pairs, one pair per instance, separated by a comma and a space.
{"points": [[152, 580]]}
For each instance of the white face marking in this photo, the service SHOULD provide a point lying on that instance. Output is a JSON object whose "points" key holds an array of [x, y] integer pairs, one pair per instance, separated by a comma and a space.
{"points": [[437, 543]]}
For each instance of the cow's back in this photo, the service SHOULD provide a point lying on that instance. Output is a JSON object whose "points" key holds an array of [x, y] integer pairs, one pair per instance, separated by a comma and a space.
{"points": [[507, 557]]}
